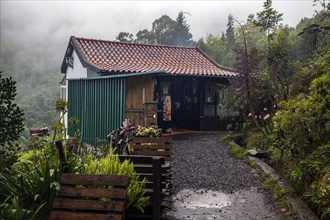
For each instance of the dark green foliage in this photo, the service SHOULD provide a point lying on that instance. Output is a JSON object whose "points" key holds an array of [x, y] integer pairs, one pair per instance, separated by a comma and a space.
{"points": [[256, 140], [230, 31], [183, 36], [302, 128], [268, 18], [8, 156], [11, 121], [124, 37], [237, 151], [145, 37], [29, 189], [164, 31]]}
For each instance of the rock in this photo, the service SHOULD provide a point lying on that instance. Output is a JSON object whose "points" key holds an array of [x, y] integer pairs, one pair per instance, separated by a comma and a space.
{"points": [[258, 153]]}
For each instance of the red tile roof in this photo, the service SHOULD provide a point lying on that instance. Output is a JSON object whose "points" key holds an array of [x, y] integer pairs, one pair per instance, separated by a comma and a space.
{"points": [[110, 56]]}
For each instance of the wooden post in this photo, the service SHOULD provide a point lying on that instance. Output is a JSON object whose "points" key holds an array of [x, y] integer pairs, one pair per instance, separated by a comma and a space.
{"points": [[63, 162], [157, 187]]}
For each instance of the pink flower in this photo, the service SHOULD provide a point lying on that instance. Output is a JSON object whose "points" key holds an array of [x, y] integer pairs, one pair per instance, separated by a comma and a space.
{"points": [[250, 114], [266, 117]]}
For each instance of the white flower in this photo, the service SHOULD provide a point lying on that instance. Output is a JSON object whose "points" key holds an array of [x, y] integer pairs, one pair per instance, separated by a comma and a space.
{"points": [[266, 117]]}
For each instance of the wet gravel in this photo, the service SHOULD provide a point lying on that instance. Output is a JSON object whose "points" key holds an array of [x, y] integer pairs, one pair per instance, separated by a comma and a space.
{"points": [[202, 161], [210, 184]]}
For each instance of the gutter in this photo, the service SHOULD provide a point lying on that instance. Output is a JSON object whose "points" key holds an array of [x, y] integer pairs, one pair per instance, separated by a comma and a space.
{"points": [[121, 75]]}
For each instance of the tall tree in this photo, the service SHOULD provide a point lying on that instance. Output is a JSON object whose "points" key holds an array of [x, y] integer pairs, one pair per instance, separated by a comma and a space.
{"points": [[145, 37], [124, 37], [164, 30], [268, 18], [183, 36], [323, 3], [230, 35], [167, 31], [229, 40], [214, 47], [250, 18]]}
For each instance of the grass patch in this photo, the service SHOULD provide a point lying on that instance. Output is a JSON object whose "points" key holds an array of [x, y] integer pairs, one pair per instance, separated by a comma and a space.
{"points": [[237, 151], [252, 164], [280, 193], [234, 150]]}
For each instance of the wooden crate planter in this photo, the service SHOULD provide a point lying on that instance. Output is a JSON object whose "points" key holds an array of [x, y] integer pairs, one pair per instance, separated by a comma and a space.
{"points": [[84, 203], [153, 146]]}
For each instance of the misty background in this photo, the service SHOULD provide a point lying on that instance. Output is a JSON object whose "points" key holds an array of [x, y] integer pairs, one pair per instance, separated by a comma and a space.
{"points": [[35, 34]]}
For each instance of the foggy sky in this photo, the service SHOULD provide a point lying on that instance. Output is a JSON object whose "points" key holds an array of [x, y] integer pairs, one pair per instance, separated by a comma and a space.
{"points": [[48, 25]]}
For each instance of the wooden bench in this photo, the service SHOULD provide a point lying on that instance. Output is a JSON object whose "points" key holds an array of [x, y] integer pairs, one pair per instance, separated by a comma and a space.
{"points": [[38, 132], [79, 198], [154, 170], [153, 146]]}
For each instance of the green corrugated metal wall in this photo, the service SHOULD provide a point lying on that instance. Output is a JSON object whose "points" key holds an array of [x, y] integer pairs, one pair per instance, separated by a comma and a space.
{"points": [[99, 104]]}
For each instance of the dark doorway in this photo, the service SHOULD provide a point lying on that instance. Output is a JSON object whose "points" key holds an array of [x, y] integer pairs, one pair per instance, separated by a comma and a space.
{"points": [[185, 103], [193, 102], [184, 96]]}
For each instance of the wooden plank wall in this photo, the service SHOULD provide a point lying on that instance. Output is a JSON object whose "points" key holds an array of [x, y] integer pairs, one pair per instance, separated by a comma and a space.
{"points": [[134, 97]]}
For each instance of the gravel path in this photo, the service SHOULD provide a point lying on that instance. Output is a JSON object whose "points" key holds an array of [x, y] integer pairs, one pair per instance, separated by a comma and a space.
{"points": [[210, 184]]}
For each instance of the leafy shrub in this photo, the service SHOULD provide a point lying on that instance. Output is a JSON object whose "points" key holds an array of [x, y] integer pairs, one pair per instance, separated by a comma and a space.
{"points": [[237, 138], [30, 188], [256, 140], [302, 143], [14, 211], [227, 138], [319, 194], [8, 156]]}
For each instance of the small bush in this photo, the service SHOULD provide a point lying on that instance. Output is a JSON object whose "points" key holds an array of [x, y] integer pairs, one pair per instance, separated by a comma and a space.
{"points": [[111, 165], [320, 194], [147, 132], [237, 151], [30, 187], [256, 140], [227, 138]]}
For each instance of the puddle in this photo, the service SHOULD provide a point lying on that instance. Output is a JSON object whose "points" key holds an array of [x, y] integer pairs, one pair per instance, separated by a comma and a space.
{"points": [[205, 204], [202, 199]]}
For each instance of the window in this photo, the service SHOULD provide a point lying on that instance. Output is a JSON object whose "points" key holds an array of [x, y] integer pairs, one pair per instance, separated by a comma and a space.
{"points": [[63, 92], [209, 95]]}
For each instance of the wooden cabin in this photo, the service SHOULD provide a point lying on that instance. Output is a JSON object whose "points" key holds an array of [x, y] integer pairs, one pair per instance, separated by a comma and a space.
{"points": [[169, 86]]}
